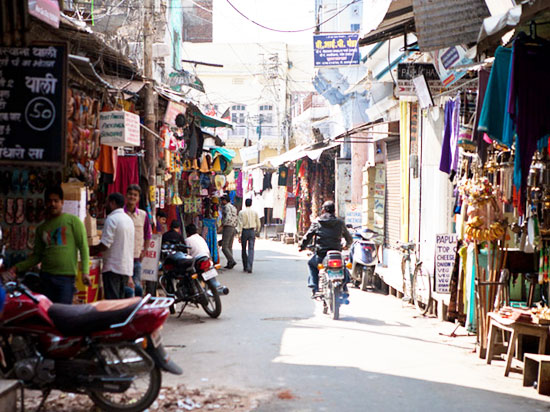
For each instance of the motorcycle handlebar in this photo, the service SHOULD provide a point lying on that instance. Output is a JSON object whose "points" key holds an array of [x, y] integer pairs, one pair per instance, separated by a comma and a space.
{"points": [[12, 287]]}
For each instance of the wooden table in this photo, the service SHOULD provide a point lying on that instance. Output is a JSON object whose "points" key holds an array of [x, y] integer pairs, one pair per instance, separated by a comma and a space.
{"points": [[516, 329]]}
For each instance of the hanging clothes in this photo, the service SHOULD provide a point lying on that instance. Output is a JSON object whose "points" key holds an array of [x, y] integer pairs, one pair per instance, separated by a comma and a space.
{"points": [[267, 181], [448, 155], [239, 184], [283, 175], [211, 237], [528, 104], [494, 118], [257, 180], [127, 174], [482, 82]]}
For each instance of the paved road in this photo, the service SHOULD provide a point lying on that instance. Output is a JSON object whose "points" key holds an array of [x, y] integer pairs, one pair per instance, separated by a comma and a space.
{"points": [[272, 337]]}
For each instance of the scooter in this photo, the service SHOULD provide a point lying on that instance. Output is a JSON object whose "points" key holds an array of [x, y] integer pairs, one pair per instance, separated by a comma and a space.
{"points": [[363, 257]]}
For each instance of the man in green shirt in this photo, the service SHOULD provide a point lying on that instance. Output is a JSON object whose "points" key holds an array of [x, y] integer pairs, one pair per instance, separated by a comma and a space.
{"points": [[58, 240]]}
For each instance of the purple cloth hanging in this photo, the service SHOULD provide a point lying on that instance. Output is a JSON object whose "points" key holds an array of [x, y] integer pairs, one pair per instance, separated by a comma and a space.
{"points": [[446, 156]]}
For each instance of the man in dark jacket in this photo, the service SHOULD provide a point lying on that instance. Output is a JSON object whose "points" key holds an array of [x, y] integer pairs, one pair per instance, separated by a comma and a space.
{"points": [[329, 231]]}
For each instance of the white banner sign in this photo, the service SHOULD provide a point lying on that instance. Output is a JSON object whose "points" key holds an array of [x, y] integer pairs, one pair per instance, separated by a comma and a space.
{"points": [[150, 262], [445, 253], [249, 153]]}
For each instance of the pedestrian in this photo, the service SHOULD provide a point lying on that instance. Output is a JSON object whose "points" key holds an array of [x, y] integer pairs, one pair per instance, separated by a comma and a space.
{"points": [[162, 226], [248, 226], [174, 235], [58, 241], [197, 244], [229, 224], [142, 232], [117, 247]]}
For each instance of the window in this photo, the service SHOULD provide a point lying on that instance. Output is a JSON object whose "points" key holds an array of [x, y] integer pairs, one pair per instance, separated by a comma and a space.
{"points": [[355, 27], [266, 113], [238, 113]]}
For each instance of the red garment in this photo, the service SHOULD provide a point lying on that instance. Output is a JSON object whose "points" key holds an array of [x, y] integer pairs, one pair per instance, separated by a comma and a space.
{"points": [[127, 173]]}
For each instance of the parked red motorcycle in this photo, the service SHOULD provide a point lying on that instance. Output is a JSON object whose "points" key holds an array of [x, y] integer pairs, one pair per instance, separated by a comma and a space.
{"points": [[110, 350]]}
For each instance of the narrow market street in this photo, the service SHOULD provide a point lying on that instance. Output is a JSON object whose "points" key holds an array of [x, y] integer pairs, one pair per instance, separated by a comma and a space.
{"points": [[273, 342]]}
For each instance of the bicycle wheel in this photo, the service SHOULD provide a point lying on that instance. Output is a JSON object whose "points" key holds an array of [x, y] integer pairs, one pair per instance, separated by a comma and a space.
{"points": [[421, 290], [405, 270]]}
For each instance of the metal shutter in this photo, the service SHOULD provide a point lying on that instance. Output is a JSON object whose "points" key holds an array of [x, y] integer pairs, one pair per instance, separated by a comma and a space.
{"points": [[393, 193]]}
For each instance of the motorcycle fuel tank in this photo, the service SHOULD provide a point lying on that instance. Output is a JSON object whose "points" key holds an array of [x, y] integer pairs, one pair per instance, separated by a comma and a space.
{"points": [[179, 260]]}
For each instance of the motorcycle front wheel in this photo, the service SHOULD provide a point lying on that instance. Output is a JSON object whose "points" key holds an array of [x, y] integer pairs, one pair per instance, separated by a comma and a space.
{"points": [[212, 303], [140, 395]]}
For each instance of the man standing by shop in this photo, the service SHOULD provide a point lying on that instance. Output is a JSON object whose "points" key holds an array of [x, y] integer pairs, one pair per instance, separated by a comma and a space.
{"points": [[229, 223], [142, 232], [247, 227], [117, 247], [58, 241]]}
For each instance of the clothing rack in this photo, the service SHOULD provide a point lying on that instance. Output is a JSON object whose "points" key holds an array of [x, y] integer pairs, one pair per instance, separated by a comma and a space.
{"points": [[454, 89]]}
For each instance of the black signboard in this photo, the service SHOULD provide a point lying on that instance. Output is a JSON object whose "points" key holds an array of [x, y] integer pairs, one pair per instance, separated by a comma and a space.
{"points": [[408, 71], [32, 104]]}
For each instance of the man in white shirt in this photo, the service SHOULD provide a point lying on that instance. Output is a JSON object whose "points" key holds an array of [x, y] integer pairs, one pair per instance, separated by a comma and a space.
{"points": [[196, 242], [117, 247], [248, 226]]}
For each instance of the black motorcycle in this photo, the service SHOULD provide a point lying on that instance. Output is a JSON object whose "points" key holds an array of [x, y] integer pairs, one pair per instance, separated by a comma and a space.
{"points": [[189, 280], [332, 280]]}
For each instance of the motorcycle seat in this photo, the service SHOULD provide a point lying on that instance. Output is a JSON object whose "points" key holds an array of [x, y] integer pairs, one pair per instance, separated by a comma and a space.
{"points": [[77, 320]]}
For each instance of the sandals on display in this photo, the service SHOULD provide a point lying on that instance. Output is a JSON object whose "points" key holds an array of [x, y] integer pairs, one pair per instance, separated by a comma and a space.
{"points": [[40, 211], [19, 210], [31, 237], [10, 211], [24, 181], [5, 182], [29, 210]]}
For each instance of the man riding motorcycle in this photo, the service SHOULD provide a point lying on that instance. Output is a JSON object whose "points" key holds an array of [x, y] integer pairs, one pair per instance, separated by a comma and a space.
{"points": [[329, 231]]}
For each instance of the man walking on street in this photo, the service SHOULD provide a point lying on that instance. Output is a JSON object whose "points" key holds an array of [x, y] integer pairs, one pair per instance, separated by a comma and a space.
{"points": [[247, 227], [58, 241], [229, 223], [117, 246], [142, 232]]}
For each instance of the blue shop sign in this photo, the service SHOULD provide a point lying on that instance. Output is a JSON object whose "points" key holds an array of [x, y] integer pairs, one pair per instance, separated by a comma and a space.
{"points": [[336, 49]]}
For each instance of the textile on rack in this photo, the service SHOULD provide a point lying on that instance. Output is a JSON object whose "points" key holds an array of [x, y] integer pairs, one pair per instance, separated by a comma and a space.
{"points": [[290, 221], [267, 181], [449, 152], [257, 180], [482, 81], [239, 184], [211, 237], [528, 104], [494, 118], [283, 175], [127, 174]]}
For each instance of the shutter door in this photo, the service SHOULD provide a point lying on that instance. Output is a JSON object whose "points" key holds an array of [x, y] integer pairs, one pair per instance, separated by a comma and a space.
{"points": [[393, 194]]}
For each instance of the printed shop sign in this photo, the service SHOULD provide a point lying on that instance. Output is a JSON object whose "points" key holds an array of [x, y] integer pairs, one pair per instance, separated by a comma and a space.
{"points": [[150, 262], [32, 103], [336, 50], [445, 252], [46, 10], [445, 61], [119, 128]]}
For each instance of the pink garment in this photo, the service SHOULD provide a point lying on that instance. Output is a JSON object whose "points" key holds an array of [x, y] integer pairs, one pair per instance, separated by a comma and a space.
{"points": [[127, 173], [239, 185]]}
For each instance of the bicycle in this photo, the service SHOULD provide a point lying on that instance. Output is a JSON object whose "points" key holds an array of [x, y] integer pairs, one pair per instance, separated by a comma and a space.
{"points": [[418, 283]]}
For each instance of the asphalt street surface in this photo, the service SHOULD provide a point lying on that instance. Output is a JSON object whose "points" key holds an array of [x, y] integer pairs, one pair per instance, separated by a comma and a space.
{"points": [[273, 340]]}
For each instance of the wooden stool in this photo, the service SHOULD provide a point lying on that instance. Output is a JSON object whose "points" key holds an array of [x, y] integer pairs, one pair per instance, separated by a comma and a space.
{"points": [[536, 368], [516, 329]]}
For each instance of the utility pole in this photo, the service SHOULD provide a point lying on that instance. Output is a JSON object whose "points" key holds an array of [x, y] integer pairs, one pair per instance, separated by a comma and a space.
{"points": [[150, 120], [259, 130]]}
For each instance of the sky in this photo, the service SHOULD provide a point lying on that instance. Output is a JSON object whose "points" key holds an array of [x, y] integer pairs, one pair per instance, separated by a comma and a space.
{"points": [[229, 26]]}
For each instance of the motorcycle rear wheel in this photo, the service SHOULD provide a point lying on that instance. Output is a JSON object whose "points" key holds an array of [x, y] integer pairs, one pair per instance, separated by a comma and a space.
{"points": [[365, 278], [213, 304], [335, 303], [129, 401]]}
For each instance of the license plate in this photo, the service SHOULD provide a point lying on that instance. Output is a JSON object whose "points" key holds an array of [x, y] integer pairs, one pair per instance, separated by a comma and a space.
{"points": [[335, 274], [156, 338], [209, 274]]}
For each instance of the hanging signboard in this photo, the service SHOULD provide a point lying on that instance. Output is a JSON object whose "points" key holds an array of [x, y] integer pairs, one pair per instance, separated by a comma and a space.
{"points": [[249, 153], [407, 72], [119, 128], [172, 111], [445, 61], [32, 104], [184, 78], [45, 10], [336, 50], [445, 253], [150, 262]]}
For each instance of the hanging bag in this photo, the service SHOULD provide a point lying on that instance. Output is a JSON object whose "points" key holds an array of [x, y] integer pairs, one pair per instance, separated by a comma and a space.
{"points": [[466, 136]]}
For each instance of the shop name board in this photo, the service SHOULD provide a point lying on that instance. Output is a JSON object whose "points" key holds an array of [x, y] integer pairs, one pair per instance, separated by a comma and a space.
{"points": [[407, 72], [445, 62], [119, 128], [336, 50], [445, 253], [32, 97], [46, 10]]}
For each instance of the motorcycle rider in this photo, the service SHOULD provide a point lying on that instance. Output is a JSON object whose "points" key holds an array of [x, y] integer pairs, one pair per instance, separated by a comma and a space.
{"points": [[329, 231]]}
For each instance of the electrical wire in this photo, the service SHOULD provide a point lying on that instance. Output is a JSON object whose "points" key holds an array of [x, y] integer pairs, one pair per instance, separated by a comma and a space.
{"points": [[290, 31]]}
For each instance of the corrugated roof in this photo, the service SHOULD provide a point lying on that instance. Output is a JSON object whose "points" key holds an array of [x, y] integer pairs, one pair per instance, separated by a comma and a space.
{"points": [[398, 20], [445, 23]]}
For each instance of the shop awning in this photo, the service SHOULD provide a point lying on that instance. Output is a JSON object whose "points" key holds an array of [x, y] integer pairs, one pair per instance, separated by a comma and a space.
{"points": [[290, 156], [85, 69], [399, 19], [315, 153], [128, 86]]}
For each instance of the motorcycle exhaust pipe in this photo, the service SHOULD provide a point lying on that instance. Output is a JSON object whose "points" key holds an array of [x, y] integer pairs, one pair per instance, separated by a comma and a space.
{"points": [[224, 290]]}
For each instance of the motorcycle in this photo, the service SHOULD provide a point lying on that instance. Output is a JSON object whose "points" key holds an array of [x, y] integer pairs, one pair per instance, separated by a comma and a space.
{"points": [[331, 283], [189, 280], [110, 350], [364, 257]]}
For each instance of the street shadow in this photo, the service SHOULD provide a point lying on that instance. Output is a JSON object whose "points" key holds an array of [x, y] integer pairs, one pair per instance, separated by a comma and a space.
{"points": [[371, 391]]}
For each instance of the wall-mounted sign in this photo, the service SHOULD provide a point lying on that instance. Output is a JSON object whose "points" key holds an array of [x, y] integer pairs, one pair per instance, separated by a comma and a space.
{"points": [[184, 78], [445, 253], [119, 128], [336, 50], [172, 111], [32, 103], [45, 10], [249, 153], [445, 60]]}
